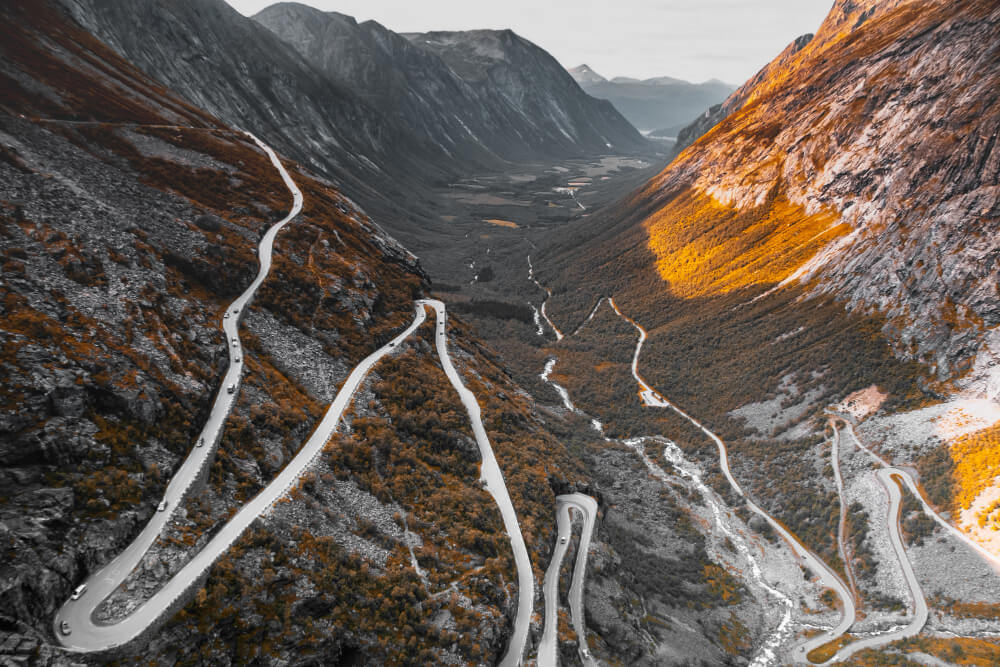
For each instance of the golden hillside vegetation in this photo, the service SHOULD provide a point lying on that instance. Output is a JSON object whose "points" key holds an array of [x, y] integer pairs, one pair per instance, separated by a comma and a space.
{"points": [[977, 464], [704, 247]]}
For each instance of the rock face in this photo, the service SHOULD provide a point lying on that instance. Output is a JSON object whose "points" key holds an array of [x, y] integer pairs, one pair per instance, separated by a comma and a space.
{"points": [[663, 104], [529, 88], [416, 87]]}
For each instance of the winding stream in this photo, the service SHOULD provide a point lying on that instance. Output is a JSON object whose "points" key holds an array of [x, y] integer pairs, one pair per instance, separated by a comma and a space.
{"points": [[652, 398], [766, 653], [548, 293]]}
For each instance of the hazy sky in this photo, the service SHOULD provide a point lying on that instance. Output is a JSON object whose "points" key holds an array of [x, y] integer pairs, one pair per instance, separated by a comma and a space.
{"points": [[690, 39]]}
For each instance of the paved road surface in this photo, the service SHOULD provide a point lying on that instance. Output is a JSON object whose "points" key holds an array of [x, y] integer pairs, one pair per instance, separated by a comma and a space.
{"points": [[89, 636], [815, 564], [492, 478], [887, 477], [992, 559], [548, 646], [78, 615]]}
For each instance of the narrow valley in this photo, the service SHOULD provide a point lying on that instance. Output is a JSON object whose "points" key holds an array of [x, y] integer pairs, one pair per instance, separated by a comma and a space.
{"points": [[329, 341]]}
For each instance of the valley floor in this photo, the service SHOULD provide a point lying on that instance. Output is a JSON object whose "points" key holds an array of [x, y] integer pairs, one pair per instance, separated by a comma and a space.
{"points": [[486, 273]]}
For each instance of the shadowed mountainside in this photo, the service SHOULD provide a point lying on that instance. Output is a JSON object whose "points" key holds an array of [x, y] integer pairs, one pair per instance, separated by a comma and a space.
{"points": [[386, 160], [417, 88], [129, 220]]}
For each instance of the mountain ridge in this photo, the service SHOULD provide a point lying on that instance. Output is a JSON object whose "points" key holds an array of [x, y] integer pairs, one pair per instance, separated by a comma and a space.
{"points": [[414, 84], [662, 105]]}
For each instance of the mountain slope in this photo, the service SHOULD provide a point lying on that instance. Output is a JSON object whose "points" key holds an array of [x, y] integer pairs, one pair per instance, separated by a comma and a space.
{"points": [[711, 117], [409, 85], [129, 219], [837, 230], [386, 160], [221, 61], [528, 86], [897, 160], [416, 88]]}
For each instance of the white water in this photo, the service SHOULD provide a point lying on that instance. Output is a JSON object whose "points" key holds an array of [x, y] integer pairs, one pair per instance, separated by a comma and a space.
{"points": [[652, 398], [548, 294], [561, 390], [766, 653]]}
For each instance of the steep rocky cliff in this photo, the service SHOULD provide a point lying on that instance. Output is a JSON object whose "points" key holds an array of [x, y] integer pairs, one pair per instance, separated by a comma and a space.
{"points": [[527, 84], [417, 88]]}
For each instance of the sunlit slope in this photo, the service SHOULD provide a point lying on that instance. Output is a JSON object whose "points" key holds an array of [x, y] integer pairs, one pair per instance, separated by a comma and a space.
{"points": [[861, 164], [704, 247]]}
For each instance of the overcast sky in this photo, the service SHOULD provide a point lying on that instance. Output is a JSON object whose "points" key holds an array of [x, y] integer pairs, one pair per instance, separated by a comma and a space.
{"points": [[690, 39]]}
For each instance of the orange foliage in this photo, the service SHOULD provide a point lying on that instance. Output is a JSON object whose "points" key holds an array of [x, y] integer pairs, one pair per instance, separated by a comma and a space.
{"points": [[704, 247], [955, 651], [977, 464], [829, 649]]}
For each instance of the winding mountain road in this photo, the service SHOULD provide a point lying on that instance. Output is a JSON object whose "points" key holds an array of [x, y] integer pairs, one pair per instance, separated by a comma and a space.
{"points": [[77, 615], [652, 398], [74, 623], [890, 479], [548, 646], [492, 478], [991, 559]]}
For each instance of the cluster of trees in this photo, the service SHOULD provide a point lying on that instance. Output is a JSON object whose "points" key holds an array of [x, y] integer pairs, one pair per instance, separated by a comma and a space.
{"points": [[686, 578], [954, 651], [976, 459], [498, 309], [864, 563], [915, 523], [106, 492]]}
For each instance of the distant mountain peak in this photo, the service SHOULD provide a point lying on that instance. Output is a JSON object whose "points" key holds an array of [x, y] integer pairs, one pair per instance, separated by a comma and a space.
{"points": [[584, 74]]}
